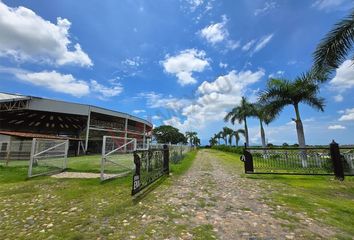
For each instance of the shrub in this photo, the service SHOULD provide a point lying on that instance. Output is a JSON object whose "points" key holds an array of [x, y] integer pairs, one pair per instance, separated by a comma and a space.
{"points": [[232, 149]]}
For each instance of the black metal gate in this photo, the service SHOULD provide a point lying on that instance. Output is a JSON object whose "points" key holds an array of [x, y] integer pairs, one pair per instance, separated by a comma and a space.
{"points": [[305, 161]]}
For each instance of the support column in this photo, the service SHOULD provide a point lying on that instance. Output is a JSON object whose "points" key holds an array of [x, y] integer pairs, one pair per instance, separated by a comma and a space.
{"points": [[87, 130], [144, 137], [125, 133]]}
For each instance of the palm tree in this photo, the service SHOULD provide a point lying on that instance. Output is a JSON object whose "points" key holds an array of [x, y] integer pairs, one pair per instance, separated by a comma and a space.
{"points": [[240, 114], [219, 136], [237, 133], [213, 141], [336, 45], [196, 141], [303, 89], [265, 114], [190, 136], [227, 132]]}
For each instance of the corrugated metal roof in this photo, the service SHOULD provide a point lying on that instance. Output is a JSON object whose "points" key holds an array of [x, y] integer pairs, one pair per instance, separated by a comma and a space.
{"points": [[34, 135]]}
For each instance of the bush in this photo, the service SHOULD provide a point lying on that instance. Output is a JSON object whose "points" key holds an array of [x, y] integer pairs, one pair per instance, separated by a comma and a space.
{"points": [[232, 149]]}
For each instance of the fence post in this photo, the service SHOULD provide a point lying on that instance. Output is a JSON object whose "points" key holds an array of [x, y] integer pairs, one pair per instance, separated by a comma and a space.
{"points": [[248, 160], [33, 149], [166, 159], [336, 160]]}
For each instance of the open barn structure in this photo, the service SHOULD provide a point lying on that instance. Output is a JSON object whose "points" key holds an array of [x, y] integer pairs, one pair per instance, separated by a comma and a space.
{"points": [[25, 117]]}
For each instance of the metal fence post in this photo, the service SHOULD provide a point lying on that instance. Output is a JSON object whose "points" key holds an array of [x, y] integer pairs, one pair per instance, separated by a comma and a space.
{"points": [[336, 160], [166, 159], [33, 148]]}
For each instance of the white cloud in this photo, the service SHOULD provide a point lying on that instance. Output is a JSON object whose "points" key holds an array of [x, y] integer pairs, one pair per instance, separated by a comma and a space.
{"points": [[137, 111], [156, 117], [132, 62], [218, 33], [106, 92], [184, 64], [63, 83], [248, 45], [194, 4], [25, 36], [263, 42], [338, 98], [277, 74], [336, 127], [344, 78], [269, 5], [223, 65], [214, 99], [348, 115], [329, 5], [155, 100]]}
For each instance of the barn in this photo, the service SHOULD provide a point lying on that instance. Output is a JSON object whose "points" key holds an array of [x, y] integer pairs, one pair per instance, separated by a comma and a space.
{"points": [[25, 117]]}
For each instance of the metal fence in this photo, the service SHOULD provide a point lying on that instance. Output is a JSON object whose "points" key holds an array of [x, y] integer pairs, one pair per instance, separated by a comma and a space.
{"points": [[48, 156], [117, 156], [14, 153], [314, 161]]}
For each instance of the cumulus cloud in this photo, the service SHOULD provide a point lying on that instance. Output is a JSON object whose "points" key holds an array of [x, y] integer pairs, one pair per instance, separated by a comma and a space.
{"points": [[336, 127], [218, 33], [184, 64], [214, 99], [277, 74], [348, 115], [64, 83], [344, 78], [25, 36], [338, 98]]}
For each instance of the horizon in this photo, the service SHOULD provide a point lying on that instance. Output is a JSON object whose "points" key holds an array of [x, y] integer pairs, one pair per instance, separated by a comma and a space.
{"points": [[183, 63]]}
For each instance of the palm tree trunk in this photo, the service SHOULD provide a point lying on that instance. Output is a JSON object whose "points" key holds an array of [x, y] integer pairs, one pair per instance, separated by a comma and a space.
{"points": [[300, 135], [262, 134], [246, 132]]}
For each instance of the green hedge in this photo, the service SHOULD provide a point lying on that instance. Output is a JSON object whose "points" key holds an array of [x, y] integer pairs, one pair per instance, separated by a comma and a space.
{"points": [[232, 149]]}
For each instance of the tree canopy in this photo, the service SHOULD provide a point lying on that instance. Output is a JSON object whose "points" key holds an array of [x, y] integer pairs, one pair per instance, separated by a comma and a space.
{"points": [[168, 134]]}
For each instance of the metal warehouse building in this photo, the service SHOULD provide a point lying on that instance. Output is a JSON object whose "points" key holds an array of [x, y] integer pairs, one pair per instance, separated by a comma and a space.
{"points": [[84, 125]]}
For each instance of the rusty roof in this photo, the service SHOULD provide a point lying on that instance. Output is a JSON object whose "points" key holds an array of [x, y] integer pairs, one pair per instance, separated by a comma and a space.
{"points": [[35, 135]]}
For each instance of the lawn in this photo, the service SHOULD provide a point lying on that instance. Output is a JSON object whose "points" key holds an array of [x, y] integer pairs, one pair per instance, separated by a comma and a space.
{"points": [[45, 207], [321, 197]]}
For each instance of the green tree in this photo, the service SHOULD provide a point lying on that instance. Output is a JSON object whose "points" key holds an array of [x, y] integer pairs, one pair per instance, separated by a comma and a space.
{"points": [[335, 46], [236, 134], [228, 134], [168, 134], [213, 141], [190, 136], [240, 114], [303, 89], [265, 114]]}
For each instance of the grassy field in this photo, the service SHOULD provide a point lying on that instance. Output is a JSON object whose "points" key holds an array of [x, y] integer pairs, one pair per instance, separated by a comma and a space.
{"points": [[49, 208], [321, 197]]}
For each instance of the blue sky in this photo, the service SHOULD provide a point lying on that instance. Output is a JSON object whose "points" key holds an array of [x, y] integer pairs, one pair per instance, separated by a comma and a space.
{"points": [[178, 62]]}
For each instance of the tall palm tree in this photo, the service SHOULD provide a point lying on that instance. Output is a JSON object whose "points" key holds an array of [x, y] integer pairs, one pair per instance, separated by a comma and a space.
{"points": [[219, 136], [236, 134], [190, 136], [303, 89], [240, 114], [196, 141], [227, 132], [213, 141], [265, 114], [336, 45]]}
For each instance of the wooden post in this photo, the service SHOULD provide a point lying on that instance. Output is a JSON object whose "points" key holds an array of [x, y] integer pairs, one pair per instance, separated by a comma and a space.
{"points": [[336, 160]]}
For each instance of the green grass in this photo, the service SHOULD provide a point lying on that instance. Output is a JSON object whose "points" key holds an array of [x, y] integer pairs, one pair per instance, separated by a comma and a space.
{"points": [[321, 197], [45, 207]]}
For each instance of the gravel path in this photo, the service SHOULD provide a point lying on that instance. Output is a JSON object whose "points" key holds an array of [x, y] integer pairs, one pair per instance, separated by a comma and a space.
{"points": [[211, 195]]}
